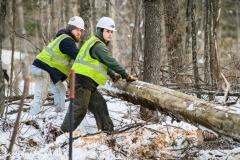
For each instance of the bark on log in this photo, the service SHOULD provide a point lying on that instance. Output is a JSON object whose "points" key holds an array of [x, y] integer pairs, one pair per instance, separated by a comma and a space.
{"points": [[221, 119]]}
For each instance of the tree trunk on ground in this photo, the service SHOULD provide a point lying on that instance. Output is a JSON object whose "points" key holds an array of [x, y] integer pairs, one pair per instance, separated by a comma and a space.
{"points": [[221, 119]]}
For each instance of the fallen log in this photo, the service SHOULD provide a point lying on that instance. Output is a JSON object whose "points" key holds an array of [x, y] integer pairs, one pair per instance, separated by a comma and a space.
{"points": [[221, 119]]}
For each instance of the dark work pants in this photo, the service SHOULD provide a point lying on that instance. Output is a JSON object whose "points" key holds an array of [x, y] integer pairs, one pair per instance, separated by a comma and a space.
{"points": [[95, 103]]}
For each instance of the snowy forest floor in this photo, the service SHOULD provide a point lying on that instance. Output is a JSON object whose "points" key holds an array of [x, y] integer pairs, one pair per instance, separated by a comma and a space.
{"points": [[133, 139]]}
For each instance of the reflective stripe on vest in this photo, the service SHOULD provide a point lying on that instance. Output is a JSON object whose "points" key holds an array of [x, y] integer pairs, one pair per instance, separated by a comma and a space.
{"points": [[50, 50], [98, 68]]}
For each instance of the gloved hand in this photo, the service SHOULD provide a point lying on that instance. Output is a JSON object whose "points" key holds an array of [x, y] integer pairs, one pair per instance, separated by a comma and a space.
{"points": [[116, 77], [130, 78]]}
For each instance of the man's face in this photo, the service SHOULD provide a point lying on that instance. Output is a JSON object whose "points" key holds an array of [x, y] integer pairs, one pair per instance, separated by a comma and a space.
{"points": [[107, 34], [77, 34]]}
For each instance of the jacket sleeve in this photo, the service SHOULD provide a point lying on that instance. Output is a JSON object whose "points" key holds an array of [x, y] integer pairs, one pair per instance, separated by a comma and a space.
{"points": [[110, 73], [100, 52], [68, 46]]}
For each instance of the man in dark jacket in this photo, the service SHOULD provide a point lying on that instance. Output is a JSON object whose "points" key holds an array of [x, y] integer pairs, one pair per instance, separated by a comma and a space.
{"points": [[52, 66], [92, 65]]}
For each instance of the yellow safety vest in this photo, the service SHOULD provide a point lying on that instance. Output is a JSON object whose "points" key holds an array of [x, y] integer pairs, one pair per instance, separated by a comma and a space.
{"points": [[52, 56], [87, 66]]}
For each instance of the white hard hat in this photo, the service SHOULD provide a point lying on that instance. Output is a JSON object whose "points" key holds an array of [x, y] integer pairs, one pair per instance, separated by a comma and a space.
{"points": [[106, 22], [77, 22]]}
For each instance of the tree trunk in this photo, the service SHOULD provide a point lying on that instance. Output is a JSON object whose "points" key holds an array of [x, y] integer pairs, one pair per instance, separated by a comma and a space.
{"points": [[12, 86], [220, 119], [152, 49], [211, 45], [206, 42], [216, 16], [85, 12], [194, 48], [109, 14], [173, 38], [3, 11], [25, 58], [94, 19], [136, 38], [187, 52]]}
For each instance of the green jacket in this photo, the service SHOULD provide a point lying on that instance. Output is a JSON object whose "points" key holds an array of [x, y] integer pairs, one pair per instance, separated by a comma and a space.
{"points": [[101, 53]]}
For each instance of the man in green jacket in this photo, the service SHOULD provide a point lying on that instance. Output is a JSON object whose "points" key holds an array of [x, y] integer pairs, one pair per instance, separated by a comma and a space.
{"points": [[92, 65]]}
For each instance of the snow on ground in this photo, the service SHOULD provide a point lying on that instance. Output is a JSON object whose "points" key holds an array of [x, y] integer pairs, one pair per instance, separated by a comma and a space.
{"points": [[135, 139]]}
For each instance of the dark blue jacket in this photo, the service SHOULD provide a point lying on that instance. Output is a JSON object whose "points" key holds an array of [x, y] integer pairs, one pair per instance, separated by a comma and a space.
{"points": [[67, 46]]}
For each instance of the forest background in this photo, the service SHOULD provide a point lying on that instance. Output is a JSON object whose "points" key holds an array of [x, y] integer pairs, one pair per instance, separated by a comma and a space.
{"points": [[187, 45]]}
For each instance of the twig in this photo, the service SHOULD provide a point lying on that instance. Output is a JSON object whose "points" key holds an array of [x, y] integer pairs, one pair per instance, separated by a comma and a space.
{"points": [[154, 130], [26, 86], [227, 89], [127, 127]]}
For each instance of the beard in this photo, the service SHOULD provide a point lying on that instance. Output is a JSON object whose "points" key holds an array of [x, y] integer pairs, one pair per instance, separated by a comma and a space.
{"points": [[77, 39]]}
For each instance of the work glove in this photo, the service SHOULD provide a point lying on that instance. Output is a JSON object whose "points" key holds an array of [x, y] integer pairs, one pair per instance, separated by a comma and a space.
{"points": [[130, 78], [116, 77]]}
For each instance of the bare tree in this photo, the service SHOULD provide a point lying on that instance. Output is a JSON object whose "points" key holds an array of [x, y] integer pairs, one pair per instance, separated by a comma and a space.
{"points": [[136, 41], [24, 58], [173, 38], [206, 42], [216, 17], [68, 13], [85, 12], [94, 19], [109, 14], [152, 49], [194, 48], [187, 53], [13, 18], [3, 6]]}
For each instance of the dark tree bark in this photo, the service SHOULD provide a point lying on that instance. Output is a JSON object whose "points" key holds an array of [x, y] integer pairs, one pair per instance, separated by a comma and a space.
{"points": [[206, 42], [94, 19], [216, 16], [107, 7], [152, 47], [136, 39], [173, 38], [188, 33], [108, 11], [211, 41], [194, 48], [152, 50], [3, 11], [85, 13]]}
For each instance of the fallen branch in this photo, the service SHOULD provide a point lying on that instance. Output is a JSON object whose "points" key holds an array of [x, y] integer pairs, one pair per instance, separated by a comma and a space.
{"points": [[227, 89]]}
